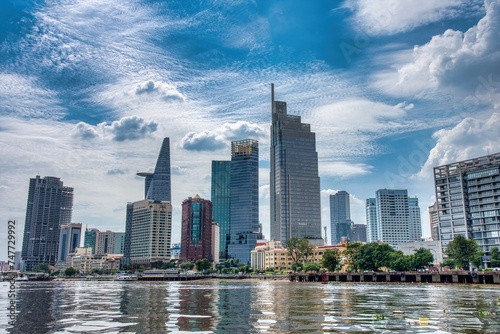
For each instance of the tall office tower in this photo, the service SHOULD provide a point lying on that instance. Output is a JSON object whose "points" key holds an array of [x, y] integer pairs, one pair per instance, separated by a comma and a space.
{"points": [[90, 238], [69, 239], [150, 230], [221, 202], [196, 230], [372, 231], [128, 231], [244, 199], [414, 220], [49, 206], [340, 217], [358, 232], [434, 221], [119, 242], [157, 184], [294, 179], [467, 195]]}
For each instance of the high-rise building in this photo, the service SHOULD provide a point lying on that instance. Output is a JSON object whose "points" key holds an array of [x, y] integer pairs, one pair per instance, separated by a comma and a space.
{"points": [[49, 206], [128, 231], [104, 243], [372, 231], [414, 220], [221, 202], [468, 201], [434, 221], [150, 230], [158, 184], [340, 217], [196, 230], [294, 179], [119, 242], [397, 217], [244, 230], [358, 232], [69, 240], [90, 238]]}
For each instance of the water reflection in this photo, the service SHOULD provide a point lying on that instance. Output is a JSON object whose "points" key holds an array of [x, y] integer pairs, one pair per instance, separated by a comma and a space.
{"points": [[251, 307]]}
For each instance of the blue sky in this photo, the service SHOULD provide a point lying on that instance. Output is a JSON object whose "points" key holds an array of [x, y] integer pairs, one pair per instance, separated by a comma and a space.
{"points": [[88, 90]]}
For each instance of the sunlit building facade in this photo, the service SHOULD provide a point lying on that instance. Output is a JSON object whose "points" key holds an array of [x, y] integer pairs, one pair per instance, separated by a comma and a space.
{"points": [[196, 230], [69, 239], [221, 202], [294, 180]]}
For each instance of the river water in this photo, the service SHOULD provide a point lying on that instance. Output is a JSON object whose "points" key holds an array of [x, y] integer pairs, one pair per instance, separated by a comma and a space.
{"points": [[239, 306]]}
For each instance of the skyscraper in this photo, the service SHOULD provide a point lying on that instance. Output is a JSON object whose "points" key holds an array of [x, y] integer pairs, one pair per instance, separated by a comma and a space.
{"points": [[196, 230], [150, 230], [397, 218], [340, 217], [371, 220], [294, 179], [244, 230], [157, 184], [49, 206], [221, 202], [358, 232], [69, 240], [468, 201]]}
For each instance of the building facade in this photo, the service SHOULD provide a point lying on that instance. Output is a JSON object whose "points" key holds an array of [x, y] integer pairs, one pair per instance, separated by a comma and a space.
{"points": [[221, 202], [244, 201], [434, 221], [196, 230], [104, 243], [49, 206], [340, 217], [150, 230], [157, 185], [294, 180], [69, 240], [468, 201], [358, 232], [396, 219]]}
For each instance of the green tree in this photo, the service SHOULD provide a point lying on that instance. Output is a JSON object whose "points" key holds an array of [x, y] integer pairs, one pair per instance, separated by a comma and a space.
{"points": [[187, 265], [494, 257], [350, 256], [203, 265], [70, 271], [374, 256], [311, 266], [331, 259], [300, 250], [462, 251], [292, 247], [400, 262], [41, 268], [421, 258]]}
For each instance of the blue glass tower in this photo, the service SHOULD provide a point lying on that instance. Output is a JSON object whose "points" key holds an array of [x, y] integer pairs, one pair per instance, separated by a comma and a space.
{"points": [[221, 202], [294, 179], [157, 184], [244, 229], [340, 217]]}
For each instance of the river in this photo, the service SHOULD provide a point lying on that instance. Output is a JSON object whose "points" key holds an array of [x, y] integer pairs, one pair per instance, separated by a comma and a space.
{"points": [[239, 306]]}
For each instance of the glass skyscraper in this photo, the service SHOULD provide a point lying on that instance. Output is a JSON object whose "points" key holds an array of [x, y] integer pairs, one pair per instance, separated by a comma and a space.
{"points": [[221, 202], [69, 240], [340, 217], [294, 179], [49, 206], [157, 185], [196, 230], [371, 220], [244, 229]]}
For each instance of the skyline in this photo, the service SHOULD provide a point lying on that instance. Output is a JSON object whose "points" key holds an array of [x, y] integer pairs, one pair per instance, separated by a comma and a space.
{"points": [[89, 90]]}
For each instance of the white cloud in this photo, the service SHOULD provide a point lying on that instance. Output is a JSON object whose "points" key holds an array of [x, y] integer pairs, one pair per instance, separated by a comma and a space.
{"points": [[242, 130], [343, 169], [382, 17], [164, 90], [469, 139], [202, 141], [462, 62]]}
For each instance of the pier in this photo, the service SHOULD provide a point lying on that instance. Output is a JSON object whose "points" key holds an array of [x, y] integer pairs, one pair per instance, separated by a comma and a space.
{"points": [[460, 277]]}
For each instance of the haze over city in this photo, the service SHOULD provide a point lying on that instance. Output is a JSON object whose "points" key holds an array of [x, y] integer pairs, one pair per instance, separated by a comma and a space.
{"points": [[89, 90]]}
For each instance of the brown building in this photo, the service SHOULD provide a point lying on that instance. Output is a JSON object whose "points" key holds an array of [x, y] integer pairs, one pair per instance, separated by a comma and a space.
{"points": [[196, 230]]}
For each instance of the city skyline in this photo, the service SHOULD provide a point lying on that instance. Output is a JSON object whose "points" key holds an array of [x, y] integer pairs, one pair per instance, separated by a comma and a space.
{"points": [[90, 90]]}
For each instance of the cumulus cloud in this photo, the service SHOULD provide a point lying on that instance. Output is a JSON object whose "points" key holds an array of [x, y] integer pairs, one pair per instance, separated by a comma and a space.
{"points": [[127, 128], [220, 138], [202, 141], [241, 130], [465, 62], [166, 91], [84, 131], [342, 169], [382, 17], [470, 138]]}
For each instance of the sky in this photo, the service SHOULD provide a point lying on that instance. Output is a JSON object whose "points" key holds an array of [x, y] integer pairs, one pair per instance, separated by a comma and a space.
{"points": [[89, 89]]}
